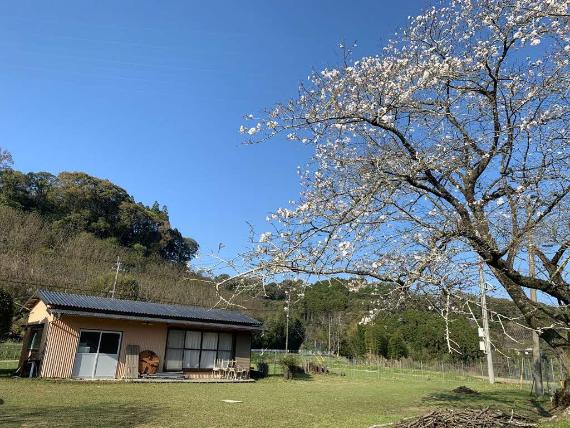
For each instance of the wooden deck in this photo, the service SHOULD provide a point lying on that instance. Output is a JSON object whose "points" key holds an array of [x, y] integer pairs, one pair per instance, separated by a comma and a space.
{"points": [[172, 377], [166, 377], [163, 380], [176, 380]]}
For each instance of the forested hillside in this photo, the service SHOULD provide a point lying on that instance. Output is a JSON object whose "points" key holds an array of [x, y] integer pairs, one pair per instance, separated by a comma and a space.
{"points": [[35, 253], [67, 232], [74, 202]]}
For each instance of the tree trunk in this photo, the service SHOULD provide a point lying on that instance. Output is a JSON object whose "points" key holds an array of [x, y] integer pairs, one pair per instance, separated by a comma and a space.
{"points": [[561, 398], [556, 340]]}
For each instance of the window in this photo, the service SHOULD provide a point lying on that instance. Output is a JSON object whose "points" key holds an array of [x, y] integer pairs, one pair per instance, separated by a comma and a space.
{"points": [[109, 343], [191, 349], [88, 342], [225, 346], [91, 342], [35, 338]]}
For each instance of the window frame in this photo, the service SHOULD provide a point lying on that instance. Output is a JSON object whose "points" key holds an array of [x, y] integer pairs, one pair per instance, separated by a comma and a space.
{"points": [[91, 330], [97, 354], [36, 330], [201, 331]]}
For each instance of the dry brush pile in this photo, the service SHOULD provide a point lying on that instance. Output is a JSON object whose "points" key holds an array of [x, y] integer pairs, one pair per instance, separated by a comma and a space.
{"points": [[467, 418]]}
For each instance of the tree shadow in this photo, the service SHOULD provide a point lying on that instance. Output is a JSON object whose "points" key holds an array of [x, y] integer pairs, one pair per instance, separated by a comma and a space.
{"points": [[106, 414], [540, 408], [302, 377], [297, 376], [7, 372]]}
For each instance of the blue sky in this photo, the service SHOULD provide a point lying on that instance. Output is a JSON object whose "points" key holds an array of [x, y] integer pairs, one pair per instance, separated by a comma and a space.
{"points": [[151, 94]]}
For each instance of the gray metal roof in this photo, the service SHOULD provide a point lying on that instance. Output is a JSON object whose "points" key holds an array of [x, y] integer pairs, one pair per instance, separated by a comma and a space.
{"points": [[105, 305]]}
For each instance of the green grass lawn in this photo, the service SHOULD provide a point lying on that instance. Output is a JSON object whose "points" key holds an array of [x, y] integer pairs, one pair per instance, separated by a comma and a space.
{"points": [[318, 401]]}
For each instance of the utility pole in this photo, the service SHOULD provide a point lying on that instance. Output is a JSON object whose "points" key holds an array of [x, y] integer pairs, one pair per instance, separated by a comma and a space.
{"points": [[486, 336], [287, 321], [329, 342], [116, 276], [536, 360]]}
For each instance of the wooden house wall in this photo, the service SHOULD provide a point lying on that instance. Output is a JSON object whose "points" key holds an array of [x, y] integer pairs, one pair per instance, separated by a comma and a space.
{"points": [[63, 335]]}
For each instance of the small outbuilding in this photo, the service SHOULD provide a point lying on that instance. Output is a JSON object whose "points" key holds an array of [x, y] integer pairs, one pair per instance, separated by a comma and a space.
{"points": [[77, 336]]}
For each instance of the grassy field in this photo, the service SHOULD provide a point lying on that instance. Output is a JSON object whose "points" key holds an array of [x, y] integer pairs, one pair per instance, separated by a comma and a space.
{"points": [[9, 355], [318, 401], [353, 397]]}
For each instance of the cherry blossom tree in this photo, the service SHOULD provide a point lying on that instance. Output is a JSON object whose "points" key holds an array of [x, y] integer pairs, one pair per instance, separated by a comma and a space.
{"points": [[448, 147]]}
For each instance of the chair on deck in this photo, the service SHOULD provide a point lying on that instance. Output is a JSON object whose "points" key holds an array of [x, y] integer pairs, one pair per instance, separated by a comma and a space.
{"points": [[218, 369], [241, 372], [231, 370]]}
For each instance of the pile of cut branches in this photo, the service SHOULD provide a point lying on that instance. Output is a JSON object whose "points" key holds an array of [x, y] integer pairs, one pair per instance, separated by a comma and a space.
{"points": [[468, 418]]}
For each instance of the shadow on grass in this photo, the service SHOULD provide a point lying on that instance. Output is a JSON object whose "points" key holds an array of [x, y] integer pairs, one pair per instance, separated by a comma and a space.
{"points": [[7, 372], [540, 408], [503, 400], [302, 377], [296, 377], [107, 414]]}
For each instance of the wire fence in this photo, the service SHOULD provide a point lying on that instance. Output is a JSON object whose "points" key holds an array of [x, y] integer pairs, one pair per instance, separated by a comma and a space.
{"points": [[513, 370]]}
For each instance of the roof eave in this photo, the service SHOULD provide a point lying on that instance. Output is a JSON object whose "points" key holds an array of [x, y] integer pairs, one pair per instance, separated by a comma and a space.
{"points": [[197, 323]]}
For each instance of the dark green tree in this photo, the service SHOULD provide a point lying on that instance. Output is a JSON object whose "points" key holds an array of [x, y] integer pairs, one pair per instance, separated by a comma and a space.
{"points": [[376, 340], [327, 297], [325, 303], [397, 347], [423, 334], [273, 334], [356, 344], [6, 312]]}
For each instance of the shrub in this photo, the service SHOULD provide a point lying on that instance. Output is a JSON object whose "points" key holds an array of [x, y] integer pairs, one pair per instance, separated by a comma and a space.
{"points": [[262, 369], [290, 363]]}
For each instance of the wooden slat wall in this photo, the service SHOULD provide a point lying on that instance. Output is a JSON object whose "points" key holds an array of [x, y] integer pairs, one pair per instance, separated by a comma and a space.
{"points": [[61, 344], [132, 362], [243, 349]]}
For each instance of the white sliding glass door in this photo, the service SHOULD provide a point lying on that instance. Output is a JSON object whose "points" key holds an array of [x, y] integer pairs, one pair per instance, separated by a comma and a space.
{"points": [[97, 354]]}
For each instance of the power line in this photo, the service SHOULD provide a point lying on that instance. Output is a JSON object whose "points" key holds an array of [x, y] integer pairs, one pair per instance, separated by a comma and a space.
{"points": [[87, 290]]}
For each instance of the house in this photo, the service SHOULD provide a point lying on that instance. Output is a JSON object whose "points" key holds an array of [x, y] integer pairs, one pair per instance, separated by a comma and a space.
{"points": [[77, 336]]}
